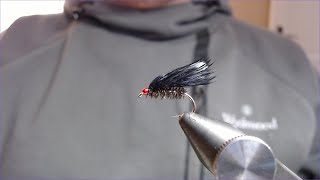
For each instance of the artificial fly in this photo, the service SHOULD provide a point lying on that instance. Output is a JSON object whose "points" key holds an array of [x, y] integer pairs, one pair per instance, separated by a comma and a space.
{"points": [[172, 85]]}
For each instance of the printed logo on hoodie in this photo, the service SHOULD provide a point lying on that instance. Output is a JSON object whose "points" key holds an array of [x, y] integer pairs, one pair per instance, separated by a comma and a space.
{"points": [[244, 121]]}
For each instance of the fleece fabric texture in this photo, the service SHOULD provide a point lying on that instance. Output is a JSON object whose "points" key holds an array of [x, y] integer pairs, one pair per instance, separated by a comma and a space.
{"points": [[69, 105]]}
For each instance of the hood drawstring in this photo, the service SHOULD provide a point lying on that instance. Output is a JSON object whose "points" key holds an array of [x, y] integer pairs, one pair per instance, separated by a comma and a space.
{"points": [[199, 93]]}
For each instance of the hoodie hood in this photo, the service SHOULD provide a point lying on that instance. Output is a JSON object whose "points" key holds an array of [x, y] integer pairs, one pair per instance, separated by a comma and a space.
{"points": [[167, 22]]}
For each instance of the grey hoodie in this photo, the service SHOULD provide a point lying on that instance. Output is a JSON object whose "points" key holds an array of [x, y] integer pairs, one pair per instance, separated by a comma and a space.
{"points": [[69, 92]]}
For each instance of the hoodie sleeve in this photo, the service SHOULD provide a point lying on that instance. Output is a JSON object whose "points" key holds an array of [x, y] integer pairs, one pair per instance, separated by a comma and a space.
{"points": [[29, 33], [311, 169]]}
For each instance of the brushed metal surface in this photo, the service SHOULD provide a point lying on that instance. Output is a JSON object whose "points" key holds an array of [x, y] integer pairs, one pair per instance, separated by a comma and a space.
{"points": [[207, 136], [226, 151], [246, 157]]}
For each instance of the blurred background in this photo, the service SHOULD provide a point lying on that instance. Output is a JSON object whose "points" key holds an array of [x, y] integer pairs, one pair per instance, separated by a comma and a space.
{"points": [[295, 19]]}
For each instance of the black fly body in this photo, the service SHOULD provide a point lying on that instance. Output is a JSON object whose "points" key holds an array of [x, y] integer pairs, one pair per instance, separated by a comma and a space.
{"points": [[172, 85], [169, 93]]}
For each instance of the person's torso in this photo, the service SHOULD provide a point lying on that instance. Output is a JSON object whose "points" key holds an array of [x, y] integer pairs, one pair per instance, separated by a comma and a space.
{"points": [[71, 108]]}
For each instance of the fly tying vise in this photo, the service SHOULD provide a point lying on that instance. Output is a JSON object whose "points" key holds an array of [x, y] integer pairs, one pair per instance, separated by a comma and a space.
{"points": [[172, 85]]}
